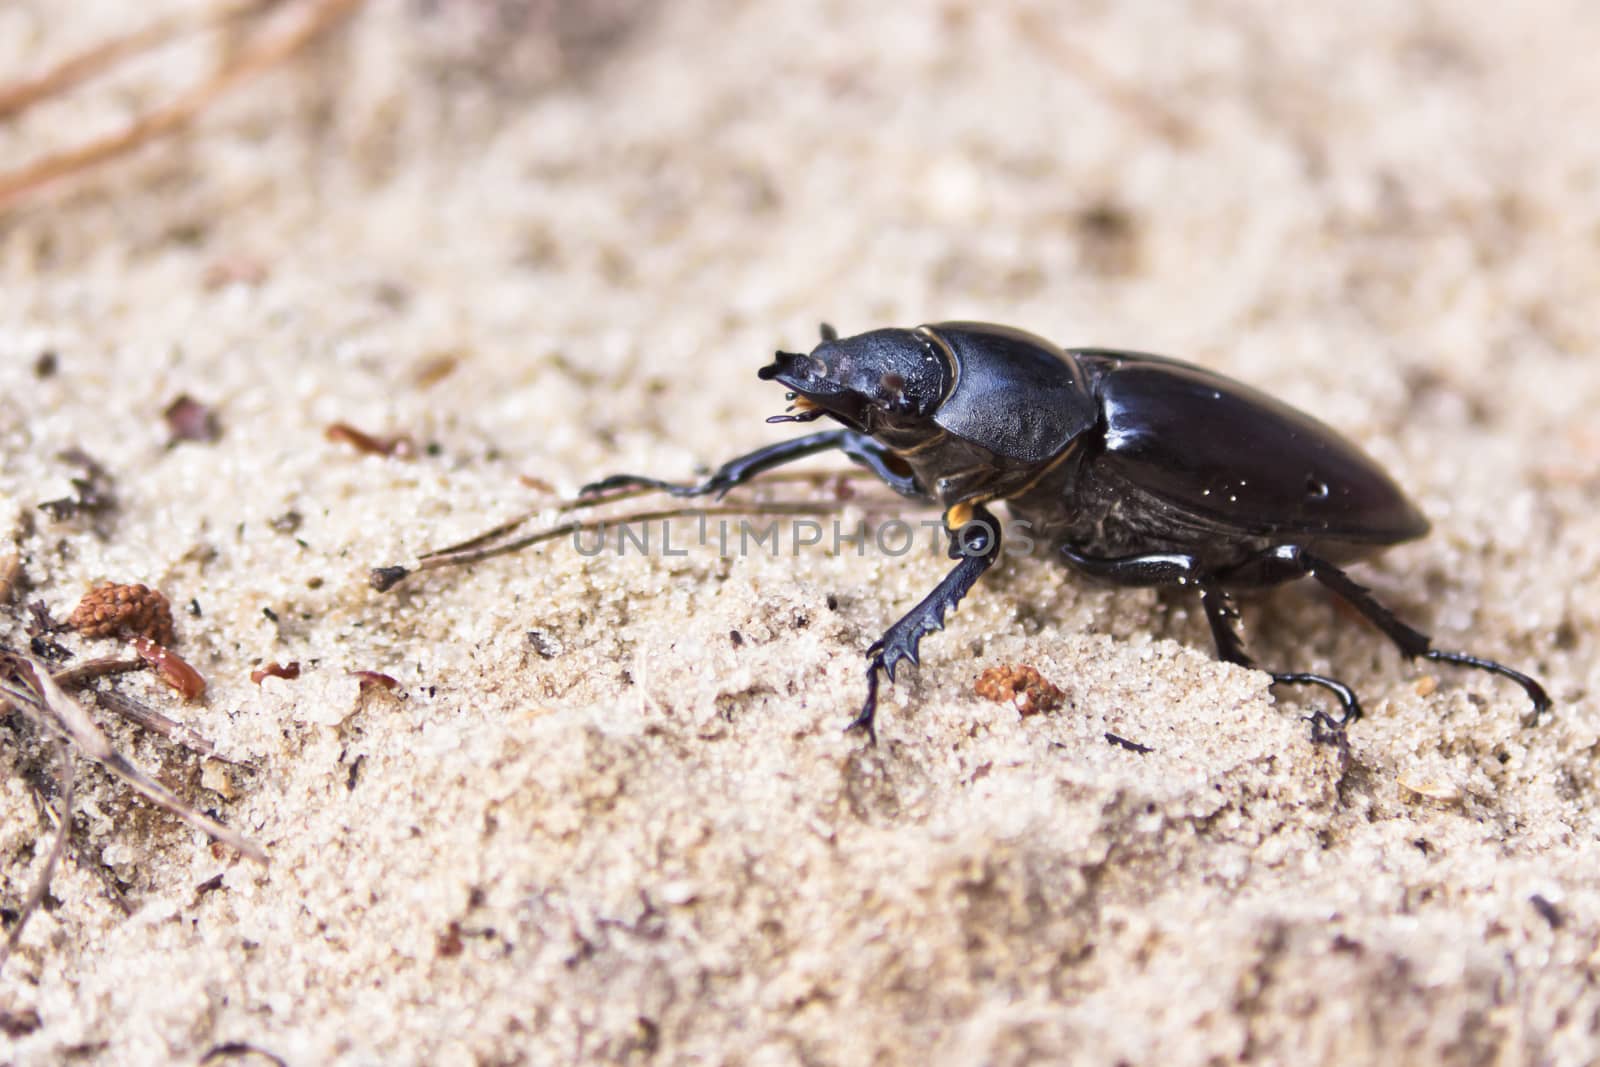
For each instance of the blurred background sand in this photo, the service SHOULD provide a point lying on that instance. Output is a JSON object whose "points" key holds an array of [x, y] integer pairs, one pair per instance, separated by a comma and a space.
{"points": [[552, 239]]}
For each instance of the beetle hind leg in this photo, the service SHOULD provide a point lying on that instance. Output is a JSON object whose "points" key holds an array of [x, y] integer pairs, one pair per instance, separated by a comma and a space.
{"points": [[1412, 643]]}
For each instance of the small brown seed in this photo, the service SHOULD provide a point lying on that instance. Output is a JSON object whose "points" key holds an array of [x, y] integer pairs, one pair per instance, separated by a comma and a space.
{"points": [[171, 668], [113, 608]]}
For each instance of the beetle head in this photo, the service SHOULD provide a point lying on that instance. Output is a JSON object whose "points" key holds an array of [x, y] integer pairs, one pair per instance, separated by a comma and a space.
{"points": [[870, 381]]}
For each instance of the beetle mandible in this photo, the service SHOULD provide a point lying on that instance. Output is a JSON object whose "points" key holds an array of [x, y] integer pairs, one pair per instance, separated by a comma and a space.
{"points": [[1135, 469]]}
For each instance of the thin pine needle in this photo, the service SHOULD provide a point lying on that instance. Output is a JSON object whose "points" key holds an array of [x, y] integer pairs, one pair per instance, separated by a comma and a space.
{"points": [[41, 884], [595, 500], [475, 550], [26, 684], [98, 59], [255, 58]]}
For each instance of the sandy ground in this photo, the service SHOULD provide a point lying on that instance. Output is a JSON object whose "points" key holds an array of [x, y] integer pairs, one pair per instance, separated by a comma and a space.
{"points": [[595, 826]]}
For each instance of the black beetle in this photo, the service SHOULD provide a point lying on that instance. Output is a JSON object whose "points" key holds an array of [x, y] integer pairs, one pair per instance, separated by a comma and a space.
{"points": [[1136, 469]]}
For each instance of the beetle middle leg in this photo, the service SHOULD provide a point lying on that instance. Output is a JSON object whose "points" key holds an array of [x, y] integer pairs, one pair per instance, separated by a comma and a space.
{"points": [[736, 472], [1178, 569], [1221, 616], [976, 543]]}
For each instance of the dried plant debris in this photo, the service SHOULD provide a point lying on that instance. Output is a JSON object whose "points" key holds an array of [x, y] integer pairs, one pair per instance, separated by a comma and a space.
{"points": [[93, 493], [135, 711], [435, 369], [512, 45], [29, 688], [499, 540], [144, 617], [260, 50], [148, 718], [18, 1023], [11, 576], [41, 884], [522, 46], [40, 696], [400, 445], [40, 621], [115, 609], [171, 668], [1076, 60], [1122, 742], [1547, 911], [241, 1052], [234, 270], [370, 680], [536, 483], [1108, 239], [40, 626], [189, 420], [1021, 686], [87, 671], [287, 671]]}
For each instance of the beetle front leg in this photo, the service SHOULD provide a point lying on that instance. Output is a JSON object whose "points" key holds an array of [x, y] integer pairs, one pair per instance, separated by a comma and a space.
{"points": [[733, 473], [736, 472], [975, 541], [890, 468]]}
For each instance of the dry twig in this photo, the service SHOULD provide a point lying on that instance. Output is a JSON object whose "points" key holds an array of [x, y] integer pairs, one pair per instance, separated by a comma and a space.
{"points": [[41, 884], [27, 685], [1128, 98], [135, 711], [477, 549], [148, 718], [83, 66], [260, 54]]}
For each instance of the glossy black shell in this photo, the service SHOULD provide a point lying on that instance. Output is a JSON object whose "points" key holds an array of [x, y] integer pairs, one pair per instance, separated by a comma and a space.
{"points": [[1219, 449]]}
